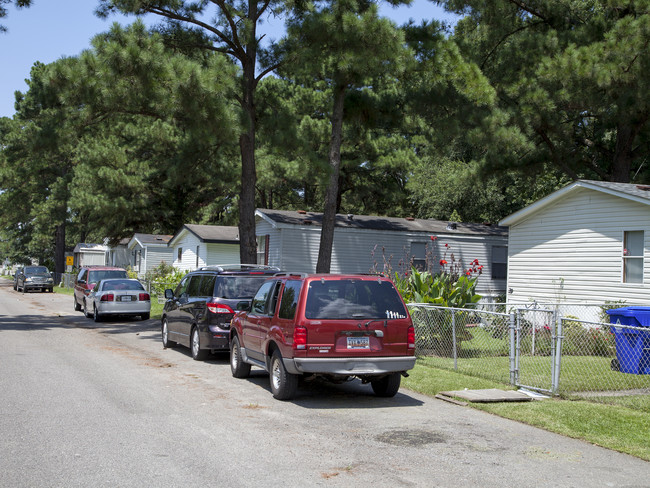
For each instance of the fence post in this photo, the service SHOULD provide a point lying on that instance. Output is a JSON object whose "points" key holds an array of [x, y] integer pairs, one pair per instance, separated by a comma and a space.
{"points": [[555, 386], [453, 337], [513, 360]]}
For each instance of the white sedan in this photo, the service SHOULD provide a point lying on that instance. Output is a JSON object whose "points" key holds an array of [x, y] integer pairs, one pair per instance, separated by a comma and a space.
{"points": [[117, 296]]}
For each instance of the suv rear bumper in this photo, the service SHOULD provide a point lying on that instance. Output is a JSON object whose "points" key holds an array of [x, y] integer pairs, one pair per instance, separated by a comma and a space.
{"points": [[350, 366]]}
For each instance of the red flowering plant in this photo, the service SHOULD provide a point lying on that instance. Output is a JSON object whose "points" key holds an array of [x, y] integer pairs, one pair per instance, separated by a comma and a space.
{"points": [[450, 285]]}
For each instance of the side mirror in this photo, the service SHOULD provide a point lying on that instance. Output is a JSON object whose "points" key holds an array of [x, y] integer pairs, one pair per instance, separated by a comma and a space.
{"points": [[244, 306], [81, 282], [169, 294]]}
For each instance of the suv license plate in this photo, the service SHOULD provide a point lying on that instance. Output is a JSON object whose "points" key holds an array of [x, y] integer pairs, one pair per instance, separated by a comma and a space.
{"points": [[125, 298], [358, 342]]}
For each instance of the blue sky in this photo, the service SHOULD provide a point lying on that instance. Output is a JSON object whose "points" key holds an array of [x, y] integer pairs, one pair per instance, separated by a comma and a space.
{"points": [[50, 30]]}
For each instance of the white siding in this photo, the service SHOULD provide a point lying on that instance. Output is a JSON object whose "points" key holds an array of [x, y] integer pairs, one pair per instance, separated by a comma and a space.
{"points": [[156, 255], [92, 259], [188, 243], [219, 254], [263, 228], [572, 251]]}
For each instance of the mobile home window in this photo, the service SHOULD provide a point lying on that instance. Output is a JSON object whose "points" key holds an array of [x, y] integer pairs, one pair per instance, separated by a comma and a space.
{"points": [[499, 262], [263, 250], [197, 256], [419, 255], [180, 254], [633, 256]]}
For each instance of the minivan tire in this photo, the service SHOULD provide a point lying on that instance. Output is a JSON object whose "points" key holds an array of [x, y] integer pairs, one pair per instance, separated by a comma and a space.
{"points": [[166, 342], [283, 384], [77, 307], [198, 354], [387, 386], [238, 367]]}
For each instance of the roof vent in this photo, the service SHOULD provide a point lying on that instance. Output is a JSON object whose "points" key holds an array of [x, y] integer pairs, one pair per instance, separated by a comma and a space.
{"points": [[643, 187], [302, 212], [410, 219], [350, 216], [451, 225], [307, 222]]}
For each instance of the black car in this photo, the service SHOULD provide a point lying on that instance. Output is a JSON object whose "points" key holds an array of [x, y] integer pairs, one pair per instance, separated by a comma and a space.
{"points": [[34, 278], [197, 314]]}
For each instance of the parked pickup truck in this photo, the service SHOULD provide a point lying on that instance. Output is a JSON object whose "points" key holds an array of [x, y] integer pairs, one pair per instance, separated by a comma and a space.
{"points": [[333, 326]]}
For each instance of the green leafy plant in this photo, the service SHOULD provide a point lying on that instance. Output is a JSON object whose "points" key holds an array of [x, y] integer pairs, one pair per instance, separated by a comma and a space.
{"points": [[163, 276]]}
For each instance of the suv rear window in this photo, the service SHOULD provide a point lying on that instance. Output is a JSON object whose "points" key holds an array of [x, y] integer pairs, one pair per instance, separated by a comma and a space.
{"points": [[238, 286], [104, 274], [353, 299]]}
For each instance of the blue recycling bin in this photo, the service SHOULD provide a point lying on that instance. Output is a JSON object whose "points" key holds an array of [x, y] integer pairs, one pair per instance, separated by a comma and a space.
{"points": [[632, 345]]}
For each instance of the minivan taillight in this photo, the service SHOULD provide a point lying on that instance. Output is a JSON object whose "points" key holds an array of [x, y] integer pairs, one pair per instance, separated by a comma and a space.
{"points": [[219, 308], [410, 337], [144, 297], [300, 338], [109, 297]]}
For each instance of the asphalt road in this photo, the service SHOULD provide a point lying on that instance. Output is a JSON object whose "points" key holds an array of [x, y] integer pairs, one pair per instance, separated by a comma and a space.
{"points": [[93, 405]]}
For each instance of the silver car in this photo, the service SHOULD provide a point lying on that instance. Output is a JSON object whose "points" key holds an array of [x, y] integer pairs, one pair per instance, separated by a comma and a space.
{"points": [[117, 296]]}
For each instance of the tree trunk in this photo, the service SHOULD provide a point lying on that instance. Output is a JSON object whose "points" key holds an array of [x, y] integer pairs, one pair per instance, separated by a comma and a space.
{"points": [[331, 196], [622, 160], [247, 242], [59, 252]]}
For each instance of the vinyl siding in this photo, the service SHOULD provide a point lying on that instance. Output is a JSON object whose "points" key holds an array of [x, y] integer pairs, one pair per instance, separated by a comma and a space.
{"points": [[219, 254], [295, 249], [572, 251], [188, 243], [155, 256]]}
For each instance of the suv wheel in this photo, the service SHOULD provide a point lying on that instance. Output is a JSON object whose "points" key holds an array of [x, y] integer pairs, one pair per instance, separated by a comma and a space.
{"points": [[165, 335], [283, 384], [77, 307], [387, 386], [238, 367], [198, 354]]}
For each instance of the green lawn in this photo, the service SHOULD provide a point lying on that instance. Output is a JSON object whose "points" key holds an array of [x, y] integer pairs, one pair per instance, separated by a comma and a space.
{"points": [[614, 426]]}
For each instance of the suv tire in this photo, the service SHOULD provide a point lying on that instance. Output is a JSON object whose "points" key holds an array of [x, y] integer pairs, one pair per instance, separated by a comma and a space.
{"points": [[198, 354], [165, 335], [387, 386], [283, 384], [238, 367]]}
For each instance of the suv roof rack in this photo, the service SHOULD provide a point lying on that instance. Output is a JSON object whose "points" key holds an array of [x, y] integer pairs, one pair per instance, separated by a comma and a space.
{"points": [[297, 275], [238, 267]]}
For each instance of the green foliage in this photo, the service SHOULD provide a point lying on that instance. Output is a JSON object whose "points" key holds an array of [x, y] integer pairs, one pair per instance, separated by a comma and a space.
{"points": [[162, 277]]}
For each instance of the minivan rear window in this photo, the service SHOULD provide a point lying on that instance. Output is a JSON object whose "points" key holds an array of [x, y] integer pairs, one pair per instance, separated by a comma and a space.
{"points": [[353, 299], [238, 286]]}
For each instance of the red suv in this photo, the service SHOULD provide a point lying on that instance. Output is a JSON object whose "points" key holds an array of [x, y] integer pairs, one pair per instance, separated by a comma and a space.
{"points": [[88, 277], [333, 326]]}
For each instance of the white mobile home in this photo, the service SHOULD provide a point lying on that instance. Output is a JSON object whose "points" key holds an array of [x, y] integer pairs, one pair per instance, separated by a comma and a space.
{"points": [[148, 251], [290, 240], [585, 243], [86, 254], [196, 245]]}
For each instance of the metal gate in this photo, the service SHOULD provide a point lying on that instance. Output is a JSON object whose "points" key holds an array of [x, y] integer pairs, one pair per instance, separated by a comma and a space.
{"points": [[535, 349]]}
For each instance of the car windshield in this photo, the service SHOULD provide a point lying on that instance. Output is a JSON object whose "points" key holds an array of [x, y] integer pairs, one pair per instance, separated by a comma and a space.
{"points": [[238, 286], [104, 274], [36, 270], [122, 285], [353, 299]]}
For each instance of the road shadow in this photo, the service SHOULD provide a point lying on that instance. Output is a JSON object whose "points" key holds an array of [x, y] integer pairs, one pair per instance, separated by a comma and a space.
{"points": [[322, 394]]}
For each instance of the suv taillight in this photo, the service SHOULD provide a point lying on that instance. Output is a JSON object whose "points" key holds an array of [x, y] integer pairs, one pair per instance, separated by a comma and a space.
{"points": [[109, 297], [144, 297], [219, 308], [300, 338], [410, 337]]}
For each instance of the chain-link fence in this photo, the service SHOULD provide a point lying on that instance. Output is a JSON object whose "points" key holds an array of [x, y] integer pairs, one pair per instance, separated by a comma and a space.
{"points": [[538, 347]]}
